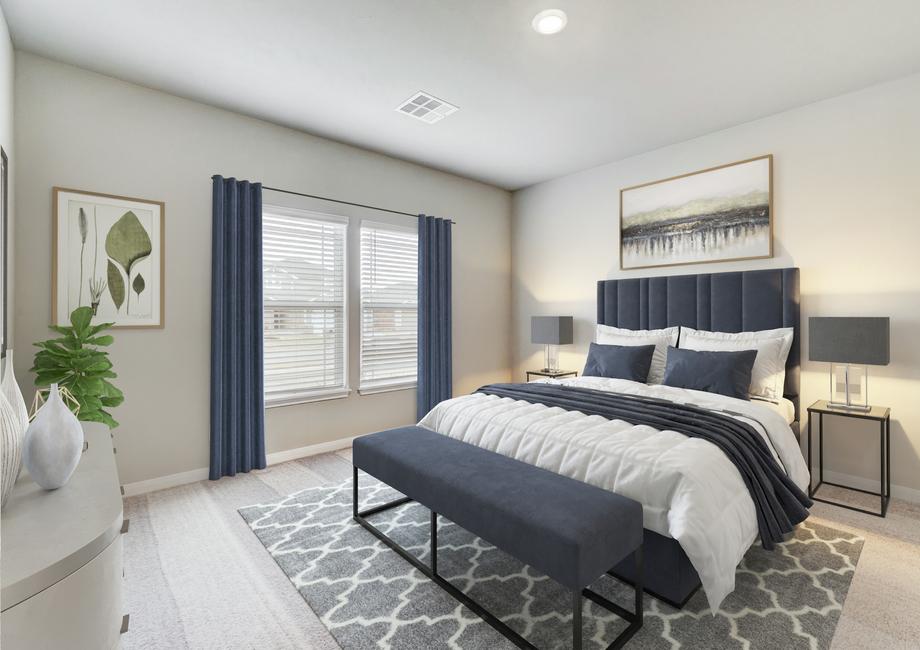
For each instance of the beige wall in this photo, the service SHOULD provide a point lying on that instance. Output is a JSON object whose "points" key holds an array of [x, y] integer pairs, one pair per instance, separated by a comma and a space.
{"points": [[6, 141], [847, 212], [82, 130]]}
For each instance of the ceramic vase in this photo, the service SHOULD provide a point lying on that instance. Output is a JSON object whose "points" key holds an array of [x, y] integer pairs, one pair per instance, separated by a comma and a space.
{"points": [[11, 448], [53, 443]]}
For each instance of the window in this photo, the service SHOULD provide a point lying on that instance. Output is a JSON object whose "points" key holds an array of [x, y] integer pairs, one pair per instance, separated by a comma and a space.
{"points": [[303, 266], [389, 307]]}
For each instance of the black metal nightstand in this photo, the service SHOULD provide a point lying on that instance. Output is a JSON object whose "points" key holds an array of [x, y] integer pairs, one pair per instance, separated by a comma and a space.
{"points": [[552, 374], [880, 414]]}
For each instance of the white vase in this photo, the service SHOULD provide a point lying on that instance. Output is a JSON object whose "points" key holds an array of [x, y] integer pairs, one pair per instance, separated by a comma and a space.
{"points": [[10, 449], [9, 387], [53, 443]]}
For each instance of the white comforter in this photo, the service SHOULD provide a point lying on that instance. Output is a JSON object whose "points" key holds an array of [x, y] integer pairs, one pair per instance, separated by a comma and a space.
{"points": [[688, 488]]}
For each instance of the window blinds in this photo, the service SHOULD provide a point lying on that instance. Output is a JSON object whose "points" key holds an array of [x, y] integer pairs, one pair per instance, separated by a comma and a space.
{"points": [[303, 267], [389, 306]]}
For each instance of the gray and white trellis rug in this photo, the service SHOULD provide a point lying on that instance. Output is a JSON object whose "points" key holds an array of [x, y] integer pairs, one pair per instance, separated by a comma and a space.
{"points": [[369, 597]]}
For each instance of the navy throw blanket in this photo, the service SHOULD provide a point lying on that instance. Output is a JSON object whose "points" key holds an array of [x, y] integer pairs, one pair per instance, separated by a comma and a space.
{"points": [[779, 502]]}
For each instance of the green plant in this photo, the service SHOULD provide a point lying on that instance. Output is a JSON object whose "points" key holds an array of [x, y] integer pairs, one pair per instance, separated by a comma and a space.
{"points": [[74, 361]]}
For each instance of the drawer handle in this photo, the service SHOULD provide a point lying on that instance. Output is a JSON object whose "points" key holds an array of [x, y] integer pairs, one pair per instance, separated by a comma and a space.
{"points": [[124, 623], [124, 526]]}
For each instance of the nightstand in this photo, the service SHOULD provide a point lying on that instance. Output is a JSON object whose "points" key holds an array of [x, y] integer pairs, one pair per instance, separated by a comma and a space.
{"points": [[552, 374], [880, 414]]}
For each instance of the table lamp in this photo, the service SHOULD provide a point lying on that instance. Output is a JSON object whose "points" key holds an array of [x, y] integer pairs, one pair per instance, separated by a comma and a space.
{"points": [[551, 331], [849, 344]]}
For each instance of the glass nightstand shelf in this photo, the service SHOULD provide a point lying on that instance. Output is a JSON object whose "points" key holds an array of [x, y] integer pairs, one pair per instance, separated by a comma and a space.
{"points": [[552, 374]]}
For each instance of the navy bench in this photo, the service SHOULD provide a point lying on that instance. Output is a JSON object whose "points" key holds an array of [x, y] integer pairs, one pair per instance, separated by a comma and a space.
{"points": [[571, 531]]}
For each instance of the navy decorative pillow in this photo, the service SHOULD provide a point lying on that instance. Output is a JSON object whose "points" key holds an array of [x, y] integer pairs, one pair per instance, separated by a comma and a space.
{"points": [[725, 373], [619, 361]]}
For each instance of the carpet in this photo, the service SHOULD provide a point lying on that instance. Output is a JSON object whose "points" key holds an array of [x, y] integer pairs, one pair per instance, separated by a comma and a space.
{"points": [[369, 597]]}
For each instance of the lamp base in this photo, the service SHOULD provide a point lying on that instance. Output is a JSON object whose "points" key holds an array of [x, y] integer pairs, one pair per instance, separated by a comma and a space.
{"points": [[551, 358], [849, 388], [861, 408]]}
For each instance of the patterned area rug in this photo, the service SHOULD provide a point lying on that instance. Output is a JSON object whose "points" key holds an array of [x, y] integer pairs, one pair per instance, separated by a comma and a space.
{"points": [[369, 597]]}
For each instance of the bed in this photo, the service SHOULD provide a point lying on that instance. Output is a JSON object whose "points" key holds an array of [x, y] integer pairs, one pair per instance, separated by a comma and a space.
{"points": [[698, 516]]}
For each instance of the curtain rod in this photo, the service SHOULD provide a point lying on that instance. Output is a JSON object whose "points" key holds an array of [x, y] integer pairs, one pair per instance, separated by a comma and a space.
{"points": [[358, 205]]}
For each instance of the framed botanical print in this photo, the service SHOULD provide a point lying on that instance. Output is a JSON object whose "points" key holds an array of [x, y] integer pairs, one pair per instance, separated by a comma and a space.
{"points": [[108, 255], [714, 215]]}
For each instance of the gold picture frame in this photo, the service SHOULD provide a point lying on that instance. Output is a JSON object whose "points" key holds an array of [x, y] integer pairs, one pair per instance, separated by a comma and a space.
{"points": [[717, 214], [128, 235]]}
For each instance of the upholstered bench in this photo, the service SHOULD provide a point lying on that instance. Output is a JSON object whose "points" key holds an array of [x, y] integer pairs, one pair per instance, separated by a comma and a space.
{"points": [[571, 531]]}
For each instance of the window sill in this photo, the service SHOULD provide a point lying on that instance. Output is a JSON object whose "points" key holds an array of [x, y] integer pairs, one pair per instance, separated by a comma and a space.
{"points": [[307, 399], [387, 389]]}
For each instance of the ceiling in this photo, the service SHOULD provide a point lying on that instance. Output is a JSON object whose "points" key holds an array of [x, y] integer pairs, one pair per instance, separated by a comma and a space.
{"points": [[626, 76]]}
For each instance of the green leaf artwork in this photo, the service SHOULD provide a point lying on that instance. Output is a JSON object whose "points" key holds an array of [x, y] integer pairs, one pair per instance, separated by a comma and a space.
{"points": [[127, 243], [116, 285], [81, 223], [74, 361], [138, 284]]}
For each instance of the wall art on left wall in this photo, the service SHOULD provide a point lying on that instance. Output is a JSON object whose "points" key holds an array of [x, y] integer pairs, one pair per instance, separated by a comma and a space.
{"points": [[109, 255]]}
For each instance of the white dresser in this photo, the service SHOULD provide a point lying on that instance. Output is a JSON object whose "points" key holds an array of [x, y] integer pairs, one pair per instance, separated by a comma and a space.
{"points": [[61, 557]]}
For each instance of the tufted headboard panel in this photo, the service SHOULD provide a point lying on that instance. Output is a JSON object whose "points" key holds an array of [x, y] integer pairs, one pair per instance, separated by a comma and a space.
{"points": [[737, 301]]}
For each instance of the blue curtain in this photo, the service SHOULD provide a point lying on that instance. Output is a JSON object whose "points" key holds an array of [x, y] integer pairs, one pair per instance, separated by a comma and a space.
{"points": [[434, 340], [237, 400]]}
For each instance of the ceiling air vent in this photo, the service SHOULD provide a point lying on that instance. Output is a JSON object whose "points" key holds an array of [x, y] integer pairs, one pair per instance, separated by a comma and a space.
{"points": [[425, 107]]}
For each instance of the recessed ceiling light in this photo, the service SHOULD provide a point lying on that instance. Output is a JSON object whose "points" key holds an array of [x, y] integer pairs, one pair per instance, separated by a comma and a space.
{"points": [[426, 107], [550, 21]]}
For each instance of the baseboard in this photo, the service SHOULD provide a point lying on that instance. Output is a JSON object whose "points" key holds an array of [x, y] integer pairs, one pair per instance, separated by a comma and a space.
{"points": [[201, 474], [897, 491], [163, 482], [310, 450]]}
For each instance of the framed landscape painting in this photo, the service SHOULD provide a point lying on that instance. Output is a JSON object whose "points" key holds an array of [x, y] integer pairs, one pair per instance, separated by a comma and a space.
{"points": [[714, 215], [108, 255]]}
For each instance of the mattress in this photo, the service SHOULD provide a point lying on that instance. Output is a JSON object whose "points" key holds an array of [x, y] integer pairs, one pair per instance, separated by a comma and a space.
{"points": [[784, 407], [689, 489]]}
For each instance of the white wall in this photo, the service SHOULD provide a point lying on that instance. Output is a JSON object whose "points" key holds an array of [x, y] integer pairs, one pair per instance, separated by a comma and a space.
{"points": [[81, 130], [6, 141], [847, 212]]}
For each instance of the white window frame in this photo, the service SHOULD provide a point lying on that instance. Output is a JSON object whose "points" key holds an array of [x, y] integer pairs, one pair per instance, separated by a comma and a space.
{"points": [[330, 393], [372, 390]]}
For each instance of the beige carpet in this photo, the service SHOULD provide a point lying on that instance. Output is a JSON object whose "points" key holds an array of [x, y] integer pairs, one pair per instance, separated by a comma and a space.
{"points": [[196, 576]]}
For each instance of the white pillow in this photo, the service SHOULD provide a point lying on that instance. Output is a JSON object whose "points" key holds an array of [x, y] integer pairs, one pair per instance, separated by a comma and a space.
{"points": [[769, 374], [661, 339]]}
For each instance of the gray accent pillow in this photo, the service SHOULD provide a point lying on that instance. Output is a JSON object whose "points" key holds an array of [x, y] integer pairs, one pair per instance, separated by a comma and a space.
{"points": [[725, 373], [619, 361]]}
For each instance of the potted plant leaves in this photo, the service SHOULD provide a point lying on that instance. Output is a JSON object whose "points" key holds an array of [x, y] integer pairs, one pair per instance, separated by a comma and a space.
{"points": [[75, 363]]}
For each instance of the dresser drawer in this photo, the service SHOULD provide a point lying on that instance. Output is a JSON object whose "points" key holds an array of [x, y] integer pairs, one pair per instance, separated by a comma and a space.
{"points": [[82, 611]]}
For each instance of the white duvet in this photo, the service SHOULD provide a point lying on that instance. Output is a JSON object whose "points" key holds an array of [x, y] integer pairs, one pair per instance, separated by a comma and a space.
{"points": [[688, 488]]}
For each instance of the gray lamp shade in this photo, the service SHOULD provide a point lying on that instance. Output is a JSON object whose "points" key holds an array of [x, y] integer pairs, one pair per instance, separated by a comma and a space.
{"points": [[858, 340], [551, 330]]}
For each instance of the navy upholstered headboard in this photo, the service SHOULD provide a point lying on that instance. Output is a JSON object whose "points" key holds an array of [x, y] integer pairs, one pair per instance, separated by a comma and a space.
{"points": [[738, 301]]}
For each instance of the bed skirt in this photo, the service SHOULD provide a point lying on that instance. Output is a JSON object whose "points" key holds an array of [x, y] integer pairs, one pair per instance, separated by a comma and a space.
{"points": [[668, 575]]}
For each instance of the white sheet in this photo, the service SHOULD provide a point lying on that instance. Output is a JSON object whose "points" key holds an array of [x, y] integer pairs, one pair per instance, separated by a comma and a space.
{"points": [[782, 406], [688, 488]]}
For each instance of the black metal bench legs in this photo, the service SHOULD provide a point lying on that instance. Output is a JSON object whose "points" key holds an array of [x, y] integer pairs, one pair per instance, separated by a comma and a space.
{"points": [[431, 571], [634, 618]]}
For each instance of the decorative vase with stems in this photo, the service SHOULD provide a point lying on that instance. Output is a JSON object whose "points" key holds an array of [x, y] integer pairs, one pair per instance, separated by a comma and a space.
{"points": [[75, 369]]}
